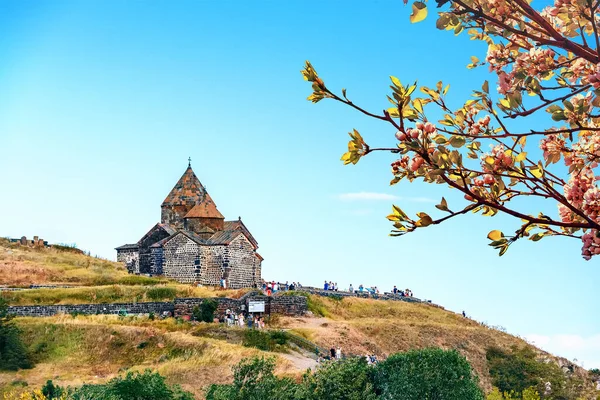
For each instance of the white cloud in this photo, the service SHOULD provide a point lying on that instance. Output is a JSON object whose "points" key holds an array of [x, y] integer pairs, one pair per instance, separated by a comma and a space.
{"points": [[586, 349], [374, 196]]}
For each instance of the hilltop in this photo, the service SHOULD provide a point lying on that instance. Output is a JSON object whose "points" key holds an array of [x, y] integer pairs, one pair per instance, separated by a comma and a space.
{"points": [[72, 350]]}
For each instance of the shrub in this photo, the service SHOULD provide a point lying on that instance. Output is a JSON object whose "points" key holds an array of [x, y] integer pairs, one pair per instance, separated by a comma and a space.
{"points": [[50, 391], [518, 370], [528, 394], [13, 354], [350, 379], [135, 385], [253, 379], [267, 341], [161, 293], [206, 311], [257, 339], [426, 374]]}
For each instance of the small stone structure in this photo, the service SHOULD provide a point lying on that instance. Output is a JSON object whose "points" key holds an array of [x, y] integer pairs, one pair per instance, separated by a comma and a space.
{"points": [[193, 243], [285, 305], [36, 242]]}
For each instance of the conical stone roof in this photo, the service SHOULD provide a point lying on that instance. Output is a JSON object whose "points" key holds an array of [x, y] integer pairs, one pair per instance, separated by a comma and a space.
{"points": [[187, 191]]}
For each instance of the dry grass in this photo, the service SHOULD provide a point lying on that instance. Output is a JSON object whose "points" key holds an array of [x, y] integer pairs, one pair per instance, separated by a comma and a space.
{"points": [[363, 326], [72, 351], [22, 266], [114, 294]]}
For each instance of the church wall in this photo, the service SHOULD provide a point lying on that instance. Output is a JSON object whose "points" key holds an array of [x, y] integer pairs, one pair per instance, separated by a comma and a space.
{"points": [[257, 271], [146, 260], [212, 265], [242, 263], [131, 260], [181, 259], [156, 258]]}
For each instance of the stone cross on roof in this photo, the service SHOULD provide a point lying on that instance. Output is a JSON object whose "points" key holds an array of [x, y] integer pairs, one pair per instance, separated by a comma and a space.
{"points": [[189, 161]]}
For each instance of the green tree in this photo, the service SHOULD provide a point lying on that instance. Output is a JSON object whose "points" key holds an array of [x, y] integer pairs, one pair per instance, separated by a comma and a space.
{"points": [[518, 370], [253, 379], [349, 379], [13, 354], [426, 374], [206, 311], [133, 386]]}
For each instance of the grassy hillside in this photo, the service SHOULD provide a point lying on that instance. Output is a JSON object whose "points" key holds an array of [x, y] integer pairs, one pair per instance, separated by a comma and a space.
{"points": [[362, 326], [95, 280], [73, 350], [93, 349], [22, 266]]}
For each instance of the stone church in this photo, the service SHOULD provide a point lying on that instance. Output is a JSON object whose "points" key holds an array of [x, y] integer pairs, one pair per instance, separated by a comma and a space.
{"points": [[193, 243]]}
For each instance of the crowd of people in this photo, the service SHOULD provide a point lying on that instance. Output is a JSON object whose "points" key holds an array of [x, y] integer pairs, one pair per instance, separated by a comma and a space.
{"points": [[273, 287], [335, 353], [251, 321]]}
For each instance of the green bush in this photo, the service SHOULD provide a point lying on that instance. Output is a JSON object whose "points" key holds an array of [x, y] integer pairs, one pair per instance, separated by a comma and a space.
{"points": [[52, 391], [518, 369], [426, 374], [416, 375], [265, 340], [135, 385], [13, 354], [528, 394], [253, 379], [350, 379], [206, 311], [161, 293], [257, 339]]}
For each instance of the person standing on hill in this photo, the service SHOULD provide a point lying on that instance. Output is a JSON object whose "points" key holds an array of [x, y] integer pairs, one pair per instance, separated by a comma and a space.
{"points": [[325, 286], [332, 352], [351, 289], [338, 353]]}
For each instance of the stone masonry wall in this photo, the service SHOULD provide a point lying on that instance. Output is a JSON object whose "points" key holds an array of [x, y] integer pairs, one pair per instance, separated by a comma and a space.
{"points": [[181, 259], [104, 308], [212, 265], [156, 265], [242, 261], [131, 260], [286, 305]]}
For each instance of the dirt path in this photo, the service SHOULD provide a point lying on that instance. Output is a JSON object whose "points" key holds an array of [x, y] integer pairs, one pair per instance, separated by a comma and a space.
{"points": [[300, 361]]}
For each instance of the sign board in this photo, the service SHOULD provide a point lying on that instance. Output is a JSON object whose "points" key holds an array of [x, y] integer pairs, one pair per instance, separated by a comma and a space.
{"points": [[256, 306]]}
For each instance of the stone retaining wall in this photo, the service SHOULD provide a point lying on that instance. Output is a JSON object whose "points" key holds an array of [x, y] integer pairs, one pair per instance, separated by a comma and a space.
{"points": [[286, 305], [103, 308]]}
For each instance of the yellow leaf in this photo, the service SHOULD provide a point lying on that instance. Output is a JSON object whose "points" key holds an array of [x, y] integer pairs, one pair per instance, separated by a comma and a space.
{"points": [[521, 157], [537, 172], [495, 235], [418, 105], [419, 12], [396, 81], [505, 103]]}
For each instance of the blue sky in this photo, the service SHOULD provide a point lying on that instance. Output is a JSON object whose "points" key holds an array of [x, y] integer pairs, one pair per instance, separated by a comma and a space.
{"points": [[102, 102]]}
